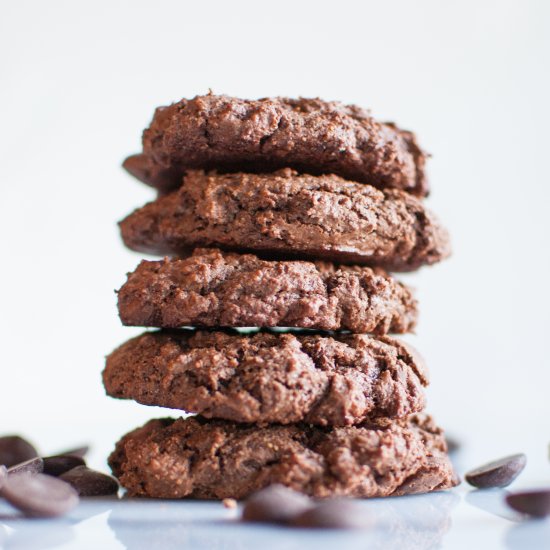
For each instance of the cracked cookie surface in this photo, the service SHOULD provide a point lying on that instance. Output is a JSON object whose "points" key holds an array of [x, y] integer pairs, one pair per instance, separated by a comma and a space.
{"points": [[310, 135], [285, 214], [212, 288], [217, 459], [335, 380]]}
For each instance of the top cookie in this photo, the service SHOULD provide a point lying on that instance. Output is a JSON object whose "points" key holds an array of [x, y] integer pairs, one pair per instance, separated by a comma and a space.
{"points": [[309, 135]]}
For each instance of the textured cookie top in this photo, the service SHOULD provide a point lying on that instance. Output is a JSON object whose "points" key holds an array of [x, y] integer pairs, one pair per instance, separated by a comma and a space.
{"points": [[309, 135], [290, 215], [212, 288], [270, 377], [219, 459]]}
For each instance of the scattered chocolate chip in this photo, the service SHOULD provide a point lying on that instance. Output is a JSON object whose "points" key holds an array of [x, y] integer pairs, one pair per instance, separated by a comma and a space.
{"points": [[275, 504], [81, 452], [90, 483], [39, 495], [230, 503], [59, 464], [533, 503], [14, 450], [3, 474], [334, 514], [32, 466], [453, 445], [499, 473]]}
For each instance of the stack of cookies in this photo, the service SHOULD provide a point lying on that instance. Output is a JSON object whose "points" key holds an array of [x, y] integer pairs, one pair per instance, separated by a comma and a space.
{"points": [[282, 215]]}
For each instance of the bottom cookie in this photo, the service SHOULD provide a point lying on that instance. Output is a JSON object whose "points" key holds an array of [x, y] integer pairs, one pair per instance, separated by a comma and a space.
{"points": [[216, 459]]}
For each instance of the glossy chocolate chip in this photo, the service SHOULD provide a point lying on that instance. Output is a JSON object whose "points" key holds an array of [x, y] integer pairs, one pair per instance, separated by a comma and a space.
{"points": [[533, 503], [499, 473], [453, 445], [14, 450], [59, 464], [334, 514], [90, 483], [39, 495], [81, 452], [275, 504], [33, 466]]}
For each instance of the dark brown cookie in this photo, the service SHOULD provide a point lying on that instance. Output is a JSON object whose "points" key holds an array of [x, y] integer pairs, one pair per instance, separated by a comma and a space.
{"points": [[309, 135], [218, 459], [212, 288], [269, 377], [290, 215]]}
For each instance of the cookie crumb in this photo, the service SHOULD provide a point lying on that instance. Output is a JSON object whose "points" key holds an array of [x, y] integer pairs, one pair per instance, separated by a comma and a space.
{"points": [[230, 503]]}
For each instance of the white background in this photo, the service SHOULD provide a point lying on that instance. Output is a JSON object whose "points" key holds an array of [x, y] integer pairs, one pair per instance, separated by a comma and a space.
{"points": [[79, 82]]}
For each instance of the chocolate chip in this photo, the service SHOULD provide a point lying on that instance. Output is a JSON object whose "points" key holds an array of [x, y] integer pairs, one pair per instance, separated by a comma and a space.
{"points": [[499, 473], [81, 452], [453, 445], [14, 450], [334, 514], [90, 483], [533, 503], [59, 464], [275, 504], [39, 495], [32, 466]]}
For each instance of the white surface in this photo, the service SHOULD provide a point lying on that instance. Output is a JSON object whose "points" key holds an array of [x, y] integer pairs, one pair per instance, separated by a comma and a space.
{"points": [[452, 520], [80, 81]]}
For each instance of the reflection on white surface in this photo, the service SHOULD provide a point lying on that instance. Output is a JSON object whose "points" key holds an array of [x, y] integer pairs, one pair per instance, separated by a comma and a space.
{"points": [[419, 523], [532, 535], [492, 500], [454, 519]]}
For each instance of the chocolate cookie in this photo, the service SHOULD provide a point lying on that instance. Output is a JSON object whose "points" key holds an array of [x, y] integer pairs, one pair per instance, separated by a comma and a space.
{"points": [[220, 289], [286, 214], [218, 459], [310, 135], [270, 377]]}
